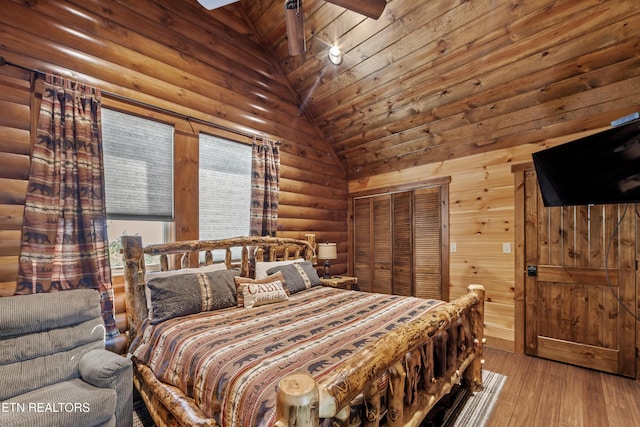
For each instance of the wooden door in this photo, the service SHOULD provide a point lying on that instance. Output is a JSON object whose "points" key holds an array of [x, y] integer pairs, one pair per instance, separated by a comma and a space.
{"points": [[580, 283]]}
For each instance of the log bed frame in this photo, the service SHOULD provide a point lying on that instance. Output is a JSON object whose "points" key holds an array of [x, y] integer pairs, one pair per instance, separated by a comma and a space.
{"points": [[421, 360]]}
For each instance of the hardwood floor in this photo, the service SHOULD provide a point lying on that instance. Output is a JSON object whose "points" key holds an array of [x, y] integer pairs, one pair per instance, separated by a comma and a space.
{"points": [[539, 392]]}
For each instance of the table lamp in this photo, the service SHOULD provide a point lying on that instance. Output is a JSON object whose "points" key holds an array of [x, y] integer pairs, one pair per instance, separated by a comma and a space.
{"points": [[327, 251]]}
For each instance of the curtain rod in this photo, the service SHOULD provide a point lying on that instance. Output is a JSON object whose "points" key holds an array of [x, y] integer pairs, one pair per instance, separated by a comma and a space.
{"points": [[4, 62]]}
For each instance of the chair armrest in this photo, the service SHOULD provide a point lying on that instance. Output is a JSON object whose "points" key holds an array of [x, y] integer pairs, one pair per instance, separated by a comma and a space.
{"points": [[104, 369]]}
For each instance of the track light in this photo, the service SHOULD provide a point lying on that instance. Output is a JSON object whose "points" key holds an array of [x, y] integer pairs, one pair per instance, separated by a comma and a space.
{"points": [[335, 56]]}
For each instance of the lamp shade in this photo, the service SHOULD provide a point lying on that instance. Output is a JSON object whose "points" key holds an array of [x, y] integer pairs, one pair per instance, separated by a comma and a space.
{"points": [[327, 251]]}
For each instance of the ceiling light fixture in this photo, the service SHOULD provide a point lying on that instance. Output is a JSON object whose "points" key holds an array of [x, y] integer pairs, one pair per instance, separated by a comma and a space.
{"points": [[335, 56], [214, 4]]}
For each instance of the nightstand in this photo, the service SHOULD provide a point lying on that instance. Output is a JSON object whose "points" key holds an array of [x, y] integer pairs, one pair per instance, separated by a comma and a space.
{"points": [[343, 282]]}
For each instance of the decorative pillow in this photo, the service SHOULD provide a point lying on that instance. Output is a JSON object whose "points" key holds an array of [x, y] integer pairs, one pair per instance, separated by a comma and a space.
{"points": [[205, 269], [181, 295], [262, 267], [256, 292], [298, 276], [150, 275]]}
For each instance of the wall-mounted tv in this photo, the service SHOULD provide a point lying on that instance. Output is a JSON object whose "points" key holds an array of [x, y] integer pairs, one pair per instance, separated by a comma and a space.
{"points": [[597, 169]]}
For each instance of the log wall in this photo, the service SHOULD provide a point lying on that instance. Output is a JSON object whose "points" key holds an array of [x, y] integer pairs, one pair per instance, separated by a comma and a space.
{"points": [[171, 56], [15, 148]]}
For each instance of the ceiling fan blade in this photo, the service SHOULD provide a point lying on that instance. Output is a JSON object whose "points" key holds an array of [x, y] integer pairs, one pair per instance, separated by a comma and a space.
{"points": [[294, 20], [371, 8], [214, 4]]}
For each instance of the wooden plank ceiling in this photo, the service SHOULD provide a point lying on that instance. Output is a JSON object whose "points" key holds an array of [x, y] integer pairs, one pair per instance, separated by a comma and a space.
{"points": [[439, 79]]}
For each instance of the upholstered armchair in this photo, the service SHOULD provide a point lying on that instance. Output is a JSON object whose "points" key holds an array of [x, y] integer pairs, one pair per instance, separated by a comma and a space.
{"points": [[54, 370]]}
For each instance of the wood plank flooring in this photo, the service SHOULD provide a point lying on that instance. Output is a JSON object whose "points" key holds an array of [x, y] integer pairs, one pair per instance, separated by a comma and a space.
{"points": [[540, 392]]}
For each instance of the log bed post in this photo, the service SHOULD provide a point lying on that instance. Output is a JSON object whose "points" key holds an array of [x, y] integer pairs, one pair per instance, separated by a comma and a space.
{"points": [[134, 281], [473, 374], [298, 401]]}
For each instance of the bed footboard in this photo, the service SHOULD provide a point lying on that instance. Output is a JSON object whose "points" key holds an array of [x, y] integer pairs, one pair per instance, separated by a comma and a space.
{"points": [[408, 370]]}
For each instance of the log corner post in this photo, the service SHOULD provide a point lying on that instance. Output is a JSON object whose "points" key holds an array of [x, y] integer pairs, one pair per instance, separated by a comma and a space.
{"points": [[298, 401], [473, 374]]}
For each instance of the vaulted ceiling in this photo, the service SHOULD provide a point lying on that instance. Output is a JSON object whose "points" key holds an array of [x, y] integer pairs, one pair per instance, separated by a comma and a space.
{"points": [[429, 80], [434, 80]]}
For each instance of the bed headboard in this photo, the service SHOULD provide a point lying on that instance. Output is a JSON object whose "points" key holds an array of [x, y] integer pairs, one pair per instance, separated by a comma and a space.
{"points": [[252, 249]]}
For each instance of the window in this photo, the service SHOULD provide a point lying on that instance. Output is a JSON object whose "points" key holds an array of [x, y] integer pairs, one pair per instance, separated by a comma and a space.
{"points": [[138, 164], [225, 188], [151, 232]]}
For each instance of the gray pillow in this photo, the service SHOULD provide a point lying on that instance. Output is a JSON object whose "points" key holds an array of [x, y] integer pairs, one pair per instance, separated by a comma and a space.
{"points": [[185, 294], [298, 276]]}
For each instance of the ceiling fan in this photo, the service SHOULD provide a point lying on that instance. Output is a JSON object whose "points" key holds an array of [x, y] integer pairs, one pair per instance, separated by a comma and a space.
{"points": [[294, 18]]}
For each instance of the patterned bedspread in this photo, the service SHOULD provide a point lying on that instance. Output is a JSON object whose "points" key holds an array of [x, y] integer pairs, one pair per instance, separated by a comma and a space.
{"points": [[230, 361]]}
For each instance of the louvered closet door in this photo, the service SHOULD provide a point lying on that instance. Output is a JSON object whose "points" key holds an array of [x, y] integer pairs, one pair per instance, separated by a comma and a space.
{"points": [[382, 253], [402, 244], [427, 243], [362, 217], [398, 240]]}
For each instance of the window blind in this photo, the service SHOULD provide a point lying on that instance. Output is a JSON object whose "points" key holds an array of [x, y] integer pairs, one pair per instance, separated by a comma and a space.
{"points": [[225, 188], [138, 167]]}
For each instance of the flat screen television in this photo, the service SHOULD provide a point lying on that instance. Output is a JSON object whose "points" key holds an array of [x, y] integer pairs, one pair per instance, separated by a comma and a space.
{"points": [[597, 169]]}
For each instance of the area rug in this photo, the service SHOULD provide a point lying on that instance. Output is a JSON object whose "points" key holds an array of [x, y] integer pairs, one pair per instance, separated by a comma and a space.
{"points": [[141, 417], [460, 408]]}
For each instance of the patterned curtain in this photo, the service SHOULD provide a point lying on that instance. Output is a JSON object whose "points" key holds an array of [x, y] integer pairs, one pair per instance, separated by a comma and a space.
{"points": [[265, 186], [64, 233]]}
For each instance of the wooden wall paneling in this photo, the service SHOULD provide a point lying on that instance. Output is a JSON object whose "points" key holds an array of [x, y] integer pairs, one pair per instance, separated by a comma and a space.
{"points": [[8, 275], [10, 242], [479, 75], [11, 216], [14, 115], [186, 184], [14, 166], [15, 150], [518, 115], [311, 213], [373, 49], [13, 140], [152, 77], [131, 27], [522, 220], [13, 191]]}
